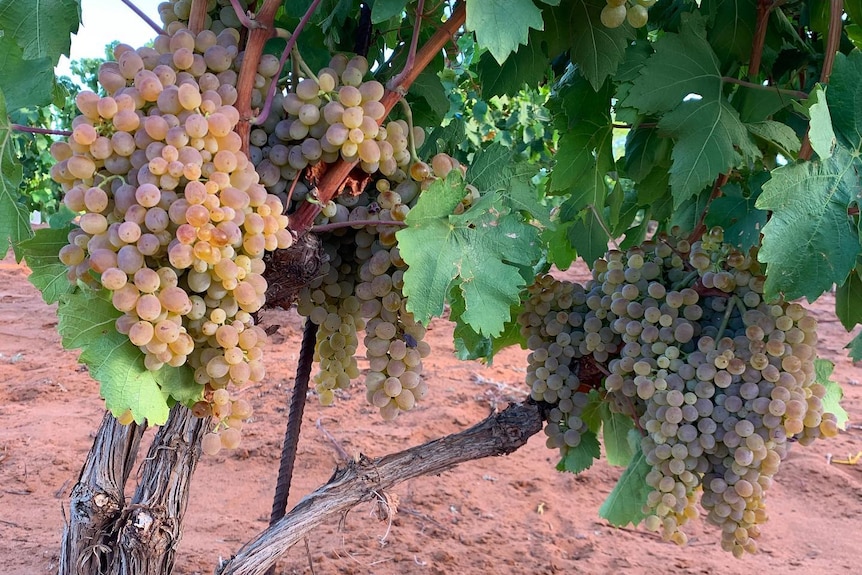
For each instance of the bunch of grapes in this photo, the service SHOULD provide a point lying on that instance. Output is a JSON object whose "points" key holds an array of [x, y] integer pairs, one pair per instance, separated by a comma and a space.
{"points": [[616, 12], [175, 222], [716, 378]]}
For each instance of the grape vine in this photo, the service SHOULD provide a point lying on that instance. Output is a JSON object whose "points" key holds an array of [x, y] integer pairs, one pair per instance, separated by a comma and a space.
{"points": [[250, 157]]}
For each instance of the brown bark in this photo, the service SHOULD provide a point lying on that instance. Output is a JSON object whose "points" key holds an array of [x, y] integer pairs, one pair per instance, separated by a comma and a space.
{"points": [[368, 479], [150, 529], [97, 500]]}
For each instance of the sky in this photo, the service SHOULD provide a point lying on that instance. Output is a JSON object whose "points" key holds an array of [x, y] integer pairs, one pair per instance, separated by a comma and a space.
{"points": [[104, 21]]}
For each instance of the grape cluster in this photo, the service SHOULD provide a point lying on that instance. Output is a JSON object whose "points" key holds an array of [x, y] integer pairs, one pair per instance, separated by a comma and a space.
{"points": [[175, 222], [337, 114], [616, 12], [554, 324], [716, 379], [361, 289]]}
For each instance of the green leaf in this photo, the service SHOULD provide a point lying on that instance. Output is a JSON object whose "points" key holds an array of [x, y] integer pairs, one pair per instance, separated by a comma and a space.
{"points": [[597, 50], [87, 323], [429, 87], [589, 237], [682, 64], [615, 432], [855, 347], [501, 25], [778, 134], [560, 250], [496, 169], [843, 99], [810, 241], [383, 10], [14, 217], [526, 66], [591, 414], [737, 214], [468, 343], [820, 132], [581, 458], [848, 301], [709, 138], [644, 150], [832, 400], [41, 29], [25, 83], [443, 139], [48, 272], [625, 503], [482, 248], [732, 31]]}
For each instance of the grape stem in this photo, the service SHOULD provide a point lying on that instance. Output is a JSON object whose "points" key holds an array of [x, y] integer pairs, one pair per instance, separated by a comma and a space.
{"points": [[700, 228], [792, 93], [245, 18], [411, 140], [349, 224], [396, 83], [764, 9], [292, 188], [32, 130], [604, 226], [686, 281], [289, 48], [144, 17], [198, 16], [257, 37], [294, 423], [732, 302]]}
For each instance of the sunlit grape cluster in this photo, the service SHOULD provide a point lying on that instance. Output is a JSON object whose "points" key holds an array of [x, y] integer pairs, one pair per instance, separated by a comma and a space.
{"points": [[617, 12], [716, 379], [175, 222]]}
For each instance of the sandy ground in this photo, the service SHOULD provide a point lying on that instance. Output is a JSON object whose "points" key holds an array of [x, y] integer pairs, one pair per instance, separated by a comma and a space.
{"points": [[507, 515]]}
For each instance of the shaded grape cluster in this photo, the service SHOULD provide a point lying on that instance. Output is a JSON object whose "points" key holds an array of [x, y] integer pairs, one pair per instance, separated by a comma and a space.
{"points": [[717, 379]]}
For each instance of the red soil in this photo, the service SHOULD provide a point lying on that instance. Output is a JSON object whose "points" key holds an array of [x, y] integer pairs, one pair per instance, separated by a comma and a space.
{"points": [[507, 515]]}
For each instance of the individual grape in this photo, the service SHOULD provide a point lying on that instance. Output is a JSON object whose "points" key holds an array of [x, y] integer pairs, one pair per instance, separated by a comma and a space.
{"points": [[613, 16]]}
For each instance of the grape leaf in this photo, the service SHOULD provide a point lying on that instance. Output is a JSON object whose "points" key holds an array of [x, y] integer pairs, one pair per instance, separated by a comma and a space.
{"points": [[855, 347], [526, 66], [25, 83], [615, 430], [14, 217], [709, 138], [383, 10], [682, 64], [428, 87], [48, 272], [832, 400], [576, 26], [848, 301], [591, 414], [820, 132], [736, 212], [780, 135], [481, 248], [560, 250], [496, 169], [501, 25], [644, 150], [581, 458], [443, 139], [87, 323], [732, 27], [810, 241], [843, 99], [625, 503], [41, 29], [589, 237]]}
